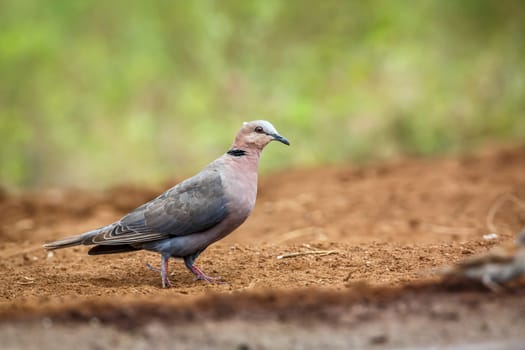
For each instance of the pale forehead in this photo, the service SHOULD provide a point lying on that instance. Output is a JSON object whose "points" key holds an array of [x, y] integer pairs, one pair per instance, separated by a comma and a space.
{"points": [[266, 125]]}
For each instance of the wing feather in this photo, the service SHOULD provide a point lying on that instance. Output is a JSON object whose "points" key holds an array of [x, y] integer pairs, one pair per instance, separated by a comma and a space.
{"points": [[192, 206]]}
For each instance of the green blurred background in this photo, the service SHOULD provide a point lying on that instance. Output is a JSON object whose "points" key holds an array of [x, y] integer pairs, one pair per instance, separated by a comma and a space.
{"points": [[94, 93]]}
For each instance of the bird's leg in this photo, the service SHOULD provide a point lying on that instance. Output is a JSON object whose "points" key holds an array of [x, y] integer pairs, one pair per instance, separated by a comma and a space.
{"points": [[163, 272], [199, 275]]}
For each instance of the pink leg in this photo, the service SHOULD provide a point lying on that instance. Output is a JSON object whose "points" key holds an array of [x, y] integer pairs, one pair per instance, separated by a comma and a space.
{"points": [[202, 276], [166, 283]]}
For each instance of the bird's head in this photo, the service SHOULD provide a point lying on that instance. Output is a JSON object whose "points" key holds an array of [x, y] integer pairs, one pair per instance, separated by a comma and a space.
{"points": [[257, 134]]}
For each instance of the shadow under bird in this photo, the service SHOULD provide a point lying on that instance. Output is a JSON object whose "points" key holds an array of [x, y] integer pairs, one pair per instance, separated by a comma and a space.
{"points": [[183, 221]]}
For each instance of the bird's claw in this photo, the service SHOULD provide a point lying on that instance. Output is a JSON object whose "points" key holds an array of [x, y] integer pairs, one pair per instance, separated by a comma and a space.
{"points": [[152, 268], [199, 275], [166, 283], [209, 279]]}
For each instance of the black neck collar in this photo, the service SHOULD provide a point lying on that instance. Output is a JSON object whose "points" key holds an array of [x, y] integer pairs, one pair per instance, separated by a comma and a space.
{"points": [[236, 152]]}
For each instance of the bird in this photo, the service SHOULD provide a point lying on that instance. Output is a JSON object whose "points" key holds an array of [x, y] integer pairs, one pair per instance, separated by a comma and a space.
{"points": [[495, 267], [184, 220]]}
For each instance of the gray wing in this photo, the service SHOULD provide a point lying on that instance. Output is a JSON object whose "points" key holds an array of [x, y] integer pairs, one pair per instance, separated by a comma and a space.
{"points": [[192, 206]]}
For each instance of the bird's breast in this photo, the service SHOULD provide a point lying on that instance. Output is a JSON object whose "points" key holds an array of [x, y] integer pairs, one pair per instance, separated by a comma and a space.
{"points": [[241, 195]]}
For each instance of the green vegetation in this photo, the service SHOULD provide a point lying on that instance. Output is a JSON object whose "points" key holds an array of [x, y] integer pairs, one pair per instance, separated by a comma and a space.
{"points": [[100, 92]]}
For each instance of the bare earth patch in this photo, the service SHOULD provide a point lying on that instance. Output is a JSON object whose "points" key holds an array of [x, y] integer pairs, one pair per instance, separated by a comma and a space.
{"points": [[358, 247]]}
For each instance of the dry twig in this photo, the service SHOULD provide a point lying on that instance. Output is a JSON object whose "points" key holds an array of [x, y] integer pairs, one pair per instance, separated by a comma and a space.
{"points": [[26, 280], [308, 252]]}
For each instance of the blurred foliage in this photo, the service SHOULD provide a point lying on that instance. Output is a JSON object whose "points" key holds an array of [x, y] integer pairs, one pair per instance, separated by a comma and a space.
{"points": [[99, 92]]}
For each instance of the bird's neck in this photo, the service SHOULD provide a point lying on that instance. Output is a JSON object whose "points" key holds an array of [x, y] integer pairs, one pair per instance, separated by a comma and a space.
{"points": [[236, 152], [246, 156]]}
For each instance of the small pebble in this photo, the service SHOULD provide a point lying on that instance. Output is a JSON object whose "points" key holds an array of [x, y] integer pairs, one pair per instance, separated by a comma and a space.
{"points": [[490, 236]]}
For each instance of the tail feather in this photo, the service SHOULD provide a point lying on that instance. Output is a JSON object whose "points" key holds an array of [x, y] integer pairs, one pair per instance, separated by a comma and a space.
{"points": [[64, 243], [83, 238]]}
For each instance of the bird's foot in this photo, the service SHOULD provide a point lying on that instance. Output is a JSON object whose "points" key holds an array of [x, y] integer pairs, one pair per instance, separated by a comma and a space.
{"points": [[166, 283], [199, 275], [152, 268]]}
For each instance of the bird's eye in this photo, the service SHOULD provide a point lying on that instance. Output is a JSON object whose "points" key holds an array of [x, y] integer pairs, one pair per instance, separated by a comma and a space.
{"points": [[258, 129]]}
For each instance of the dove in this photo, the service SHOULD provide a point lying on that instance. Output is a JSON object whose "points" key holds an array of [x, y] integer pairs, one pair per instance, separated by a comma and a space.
{"points": [[495, 267], [183, 221]]}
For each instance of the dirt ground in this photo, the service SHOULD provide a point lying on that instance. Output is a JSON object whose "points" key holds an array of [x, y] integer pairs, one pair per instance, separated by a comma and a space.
{"points": [[384, 228]]}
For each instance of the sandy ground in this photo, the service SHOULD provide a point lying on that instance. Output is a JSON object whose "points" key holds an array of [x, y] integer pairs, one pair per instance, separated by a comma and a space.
{"points": [[383, 228]]}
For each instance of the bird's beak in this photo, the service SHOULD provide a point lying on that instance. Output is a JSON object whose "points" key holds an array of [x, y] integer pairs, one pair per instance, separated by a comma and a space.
{"points": [[279, 138]]}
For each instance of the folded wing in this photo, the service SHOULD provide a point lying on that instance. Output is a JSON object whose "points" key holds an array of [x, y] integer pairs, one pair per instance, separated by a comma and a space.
{"points": [[192, 206]]}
